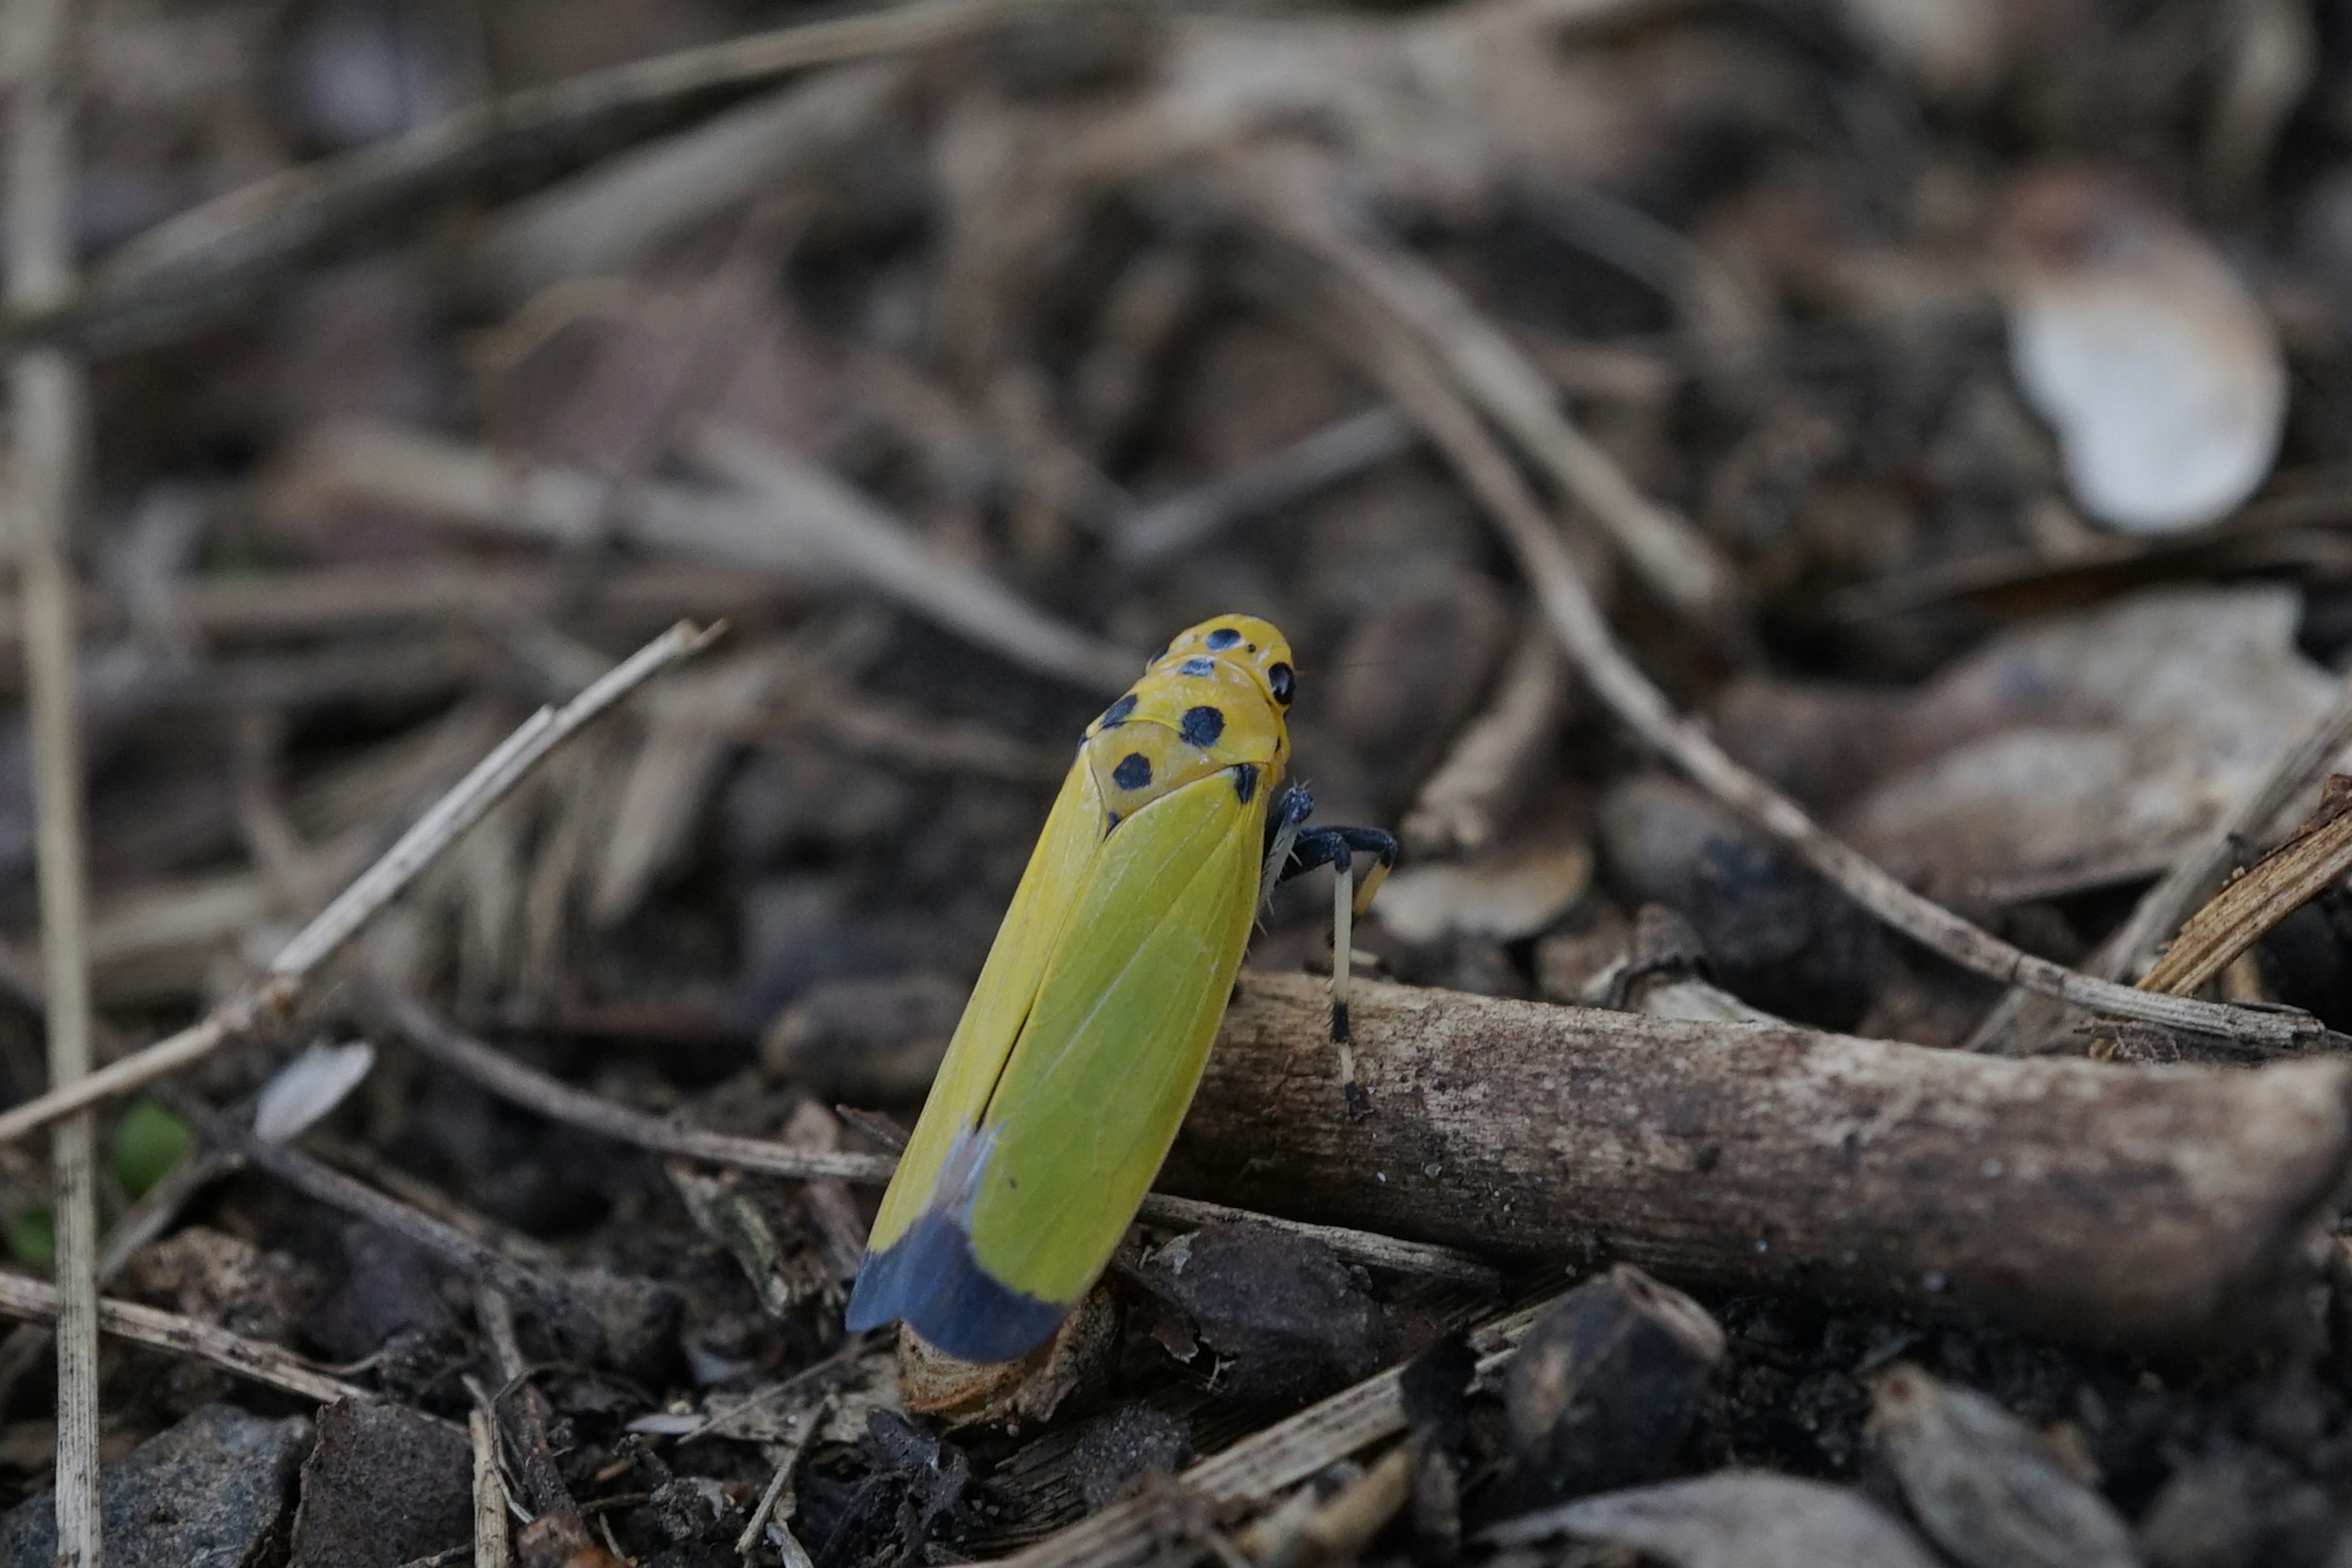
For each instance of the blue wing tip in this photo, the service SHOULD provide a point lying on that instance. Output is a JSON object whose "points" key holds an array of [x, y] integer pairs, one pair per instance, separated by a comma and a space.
{"points": [[931, 1281]]}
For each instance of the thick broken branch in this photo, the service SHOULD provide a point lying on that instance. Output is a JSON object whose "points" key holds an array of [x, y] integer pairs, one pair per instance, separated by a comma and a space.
{"points": [[2063, 1195]]}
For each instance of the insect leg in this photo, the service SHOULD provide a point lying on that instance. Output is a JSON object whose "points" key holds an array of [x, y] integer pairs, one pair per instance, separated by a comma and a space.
{"points": [[1337, 848], [1291, 809]]}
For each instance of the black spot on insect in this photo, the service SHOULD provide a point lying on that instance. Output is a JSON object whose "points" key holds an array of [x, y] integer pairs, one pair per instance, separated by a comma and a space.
{"points": [[1245, 782], [1222, 637], [1134, 771], [1197, 666], [1283, 682], [1201, 726], [1116, 714], [1111, 823]]}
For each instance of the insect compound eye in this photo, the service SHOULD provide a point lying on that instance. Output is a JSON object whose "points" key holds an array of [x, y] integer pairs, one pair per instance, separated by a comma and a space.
{"points": [[1283, 682]]}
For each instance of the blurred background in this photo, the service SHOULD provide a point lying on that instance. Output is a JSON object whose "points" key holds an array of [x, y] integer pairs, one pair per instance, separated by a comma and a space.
{"points": [[1951, 402]]}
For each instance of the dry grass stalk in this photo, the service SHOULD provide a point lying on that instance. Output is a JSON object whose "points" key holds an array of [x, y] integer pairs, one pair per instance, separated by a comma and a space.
{"points": [[2011, 1026], [2273, 888], [789, 516], [773, 1518], [1674, 558], [1337, 452], [208, 262], [1261, 1466], [1498, 755], [49, 406], [1365, 327], [261, 1361], [489, 782], [493, 1535]]}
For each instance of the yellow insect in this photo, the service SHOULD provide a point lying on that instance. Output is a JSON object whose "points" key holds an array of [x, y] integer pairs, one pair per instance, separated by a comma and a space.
{"points": [[1084, 1038]]}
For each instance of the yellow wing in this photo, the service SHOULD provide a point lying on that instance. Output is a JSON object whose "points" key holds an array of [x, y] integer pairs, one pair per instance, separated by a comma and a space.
{"points": [[1103, 1074]]}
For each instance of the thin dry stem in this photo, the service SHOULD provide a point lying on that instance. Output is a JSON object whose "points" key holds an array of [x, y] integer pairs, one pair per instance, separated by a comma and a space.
{"points": [[49, 404], [1256, 1469], [2201, 863], [1337, 452], [852, 533], [1499, 753], [2273, 888], [209, 262], [775, 1504], [493, 1536], [465, 804], [1677, 562], [256, 1360]]}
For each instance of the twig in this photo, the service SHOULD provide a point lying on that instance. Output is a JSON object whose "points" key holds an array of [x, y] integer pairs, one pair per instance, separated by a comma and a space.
{"points": [[557, 1532], [1340, 451], [142, 1223], [1256, 1467], [254, 1359], [2273, 888], [558, 1102], [436, 1238], [209, 262], [786, 515], [493, 1536], [776, 1504], [2207, 858], [465, 804], [1672, 555], [1497, 756], [2292, 770], [48, 401], [1369, 332], [854, 535]]}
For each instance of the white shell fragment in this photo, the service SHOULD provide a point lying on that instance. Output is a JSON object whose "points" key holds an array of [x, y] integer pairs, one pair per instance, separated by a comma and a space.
{"points": [[2159, 373], [308, 1088]]}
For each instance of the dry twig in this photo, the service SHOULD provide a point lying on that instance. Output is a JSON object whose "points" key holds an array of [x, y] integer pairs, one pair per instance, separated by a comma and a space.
{"points": [[493, 1536], [1340, 451], [209, 262], [48, 402], [2013, 1027], [1674, 558], [489, 782], [2273, 888], [257, 1359], [1259, 1468]]}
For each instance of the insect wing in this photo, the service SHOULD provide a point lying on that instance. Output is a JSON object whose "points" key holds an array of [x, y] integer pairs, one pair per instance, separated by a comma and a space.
{"points": [[1113, 1050]]}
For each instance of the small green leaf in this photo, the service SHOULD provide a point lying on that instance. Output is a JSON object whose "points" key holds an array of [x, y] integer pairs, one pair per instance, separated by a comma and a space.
{"points": [[32, 1238], [148, 1141]]}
